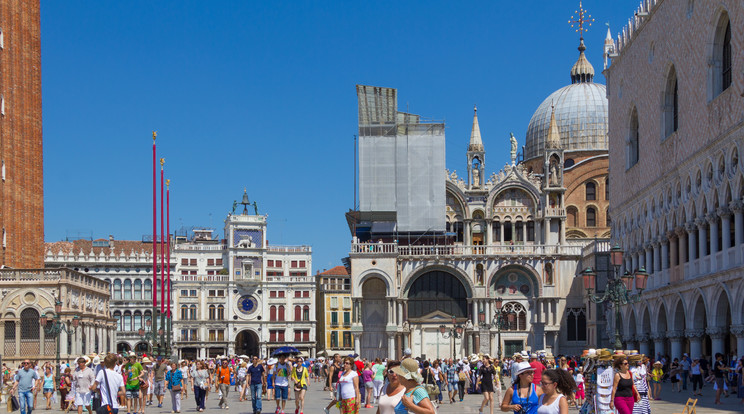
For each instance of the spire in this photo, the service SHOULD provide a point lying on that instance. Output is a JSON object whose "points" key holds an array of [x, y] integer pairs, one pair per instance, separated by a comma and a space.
{"points": [[582, 70], [554, 134], [476, 144]]}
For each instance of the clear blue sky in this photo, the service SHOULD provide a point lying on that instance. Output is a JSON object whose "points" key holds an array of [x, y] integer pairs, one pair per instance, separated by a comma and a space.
{"points": [[261, 95]]}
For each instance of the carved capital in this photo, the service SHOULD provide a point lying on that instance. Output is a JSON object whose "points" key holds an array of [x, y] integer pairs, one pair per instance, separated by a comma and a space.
{"points": [[694, 333], [700, 223], [676, 335], [641, 337], [628, 338], [717, 332], [671, 234], [724, 212], [690, 226], [649, 246], [712, 218], [736, 206], [658, 336], [737, 330], [681, 231]]}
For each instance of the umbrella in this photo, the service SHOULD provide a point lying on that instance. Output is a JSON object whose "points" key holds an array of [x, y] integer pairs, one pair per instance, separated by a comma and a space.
{"points": [[243, 356], [286, 350]]}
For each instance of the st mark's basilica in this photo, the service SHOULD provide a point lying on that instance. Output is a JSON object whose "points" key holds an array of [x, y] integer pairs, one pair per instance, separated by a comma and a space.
{"points": [[435, 256]]}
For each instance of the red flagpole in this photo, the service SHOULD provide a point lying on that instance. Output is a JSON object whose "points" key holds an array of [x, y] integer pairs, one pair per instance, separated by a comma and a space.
{"points": [[162, 241], [154, 227], [167, 212]]}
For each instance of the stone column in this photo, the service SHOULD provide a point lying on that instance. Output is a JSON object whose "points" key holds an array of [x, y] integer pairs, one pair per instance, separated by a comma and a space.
{"points": [[702, 236], [696, 342], [738, 331], [633, 261], [664, 253], [717, 336], [657, 256], [357, 344], [691, 241], [501, 232], [676, 339], [643, 344], [488, 240], [391, 345], [648, 250], [681, 245], [673, 253], [737, 208], [474, 316], [63, 351], [725, 215], [658, 344], [713, 220], [466, 230]]}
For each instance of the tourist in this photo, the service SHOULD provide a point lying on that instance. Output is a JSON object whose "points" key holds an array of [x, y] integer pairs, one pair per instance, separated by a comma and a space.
{"points": [[739, 370], [281, 372], [538, 367], [65, 383], [135, 373], [462, 379], [675, 373], [185, 378], [257, 380], [222, 380], [369, 386], [429, 380], [579, 380], [686, 363], [556, 384], [657, 374], [719, 370], [25, 382], [415, 399], [624, 394], [696, 376], [240, 384], [348, 388], [200, 382], [110, 383], [486, 374], [640, 382], [300, 378], [48, 386], [450, 372], [378, 379], [83, 379], [523, 396], [174, 383], [270, 378], [390, 397]]}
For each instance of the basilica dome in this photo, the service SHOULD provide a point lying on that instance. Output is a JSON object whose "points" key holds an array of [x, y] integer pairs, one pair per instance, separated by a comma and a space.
{"points": [[580, 113]]}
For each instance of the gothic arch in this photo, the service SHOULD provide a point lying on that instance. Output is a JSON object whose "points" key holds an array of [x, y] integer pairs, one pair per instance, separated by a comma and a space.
{"points": [[699, 311], [437, 291], [456, 272], [722, 315], [528, 271], [678, 317], [661, 318]]}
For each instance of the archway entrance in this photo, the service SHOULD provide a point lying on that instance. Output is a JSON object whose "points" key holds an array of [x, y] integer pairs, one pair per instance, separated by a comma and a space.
{"points": [[374, 319], [247, 343], [122, 347], [141, 347]]}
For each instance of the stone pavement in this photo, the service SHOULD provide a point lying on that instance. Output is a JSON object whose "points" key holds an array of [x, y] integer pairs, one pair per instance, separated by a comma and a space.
{"points": [[317, 399]]}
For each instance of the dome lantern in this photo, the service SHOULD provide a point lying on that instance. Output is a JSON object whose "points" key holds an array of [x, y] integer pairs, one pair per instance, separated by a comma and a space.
{"points": [[582, 70]]}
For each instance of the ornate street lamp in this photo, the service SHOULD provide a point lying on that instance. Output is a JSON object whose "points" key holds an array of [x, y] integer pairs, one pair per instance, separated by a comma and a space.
{"points": [[618, 287], [56, 327], [454, 332], [500, 320]]}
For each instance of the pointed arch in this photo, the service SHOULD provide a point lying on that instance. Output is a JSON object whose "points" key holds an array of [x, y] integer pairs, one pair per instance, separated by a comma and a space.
{"points": [[670, 112]]}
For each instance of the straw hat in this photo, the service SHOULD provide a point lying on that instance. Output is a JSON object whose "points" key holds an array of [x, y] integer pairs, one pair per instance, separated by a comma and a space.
{"points": [[604, 354], [618, 354], [146, 360], [657, 363], [408, 369], [524, 367]]}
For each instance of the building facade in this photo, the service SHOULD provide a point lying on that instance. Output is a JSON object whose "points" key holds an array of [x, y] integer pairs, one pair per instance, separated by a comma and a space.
{"points": [[334, 311], [21, 166], [516, 234], [240, 295], [27, 295], [126, 265], [675, 88]]}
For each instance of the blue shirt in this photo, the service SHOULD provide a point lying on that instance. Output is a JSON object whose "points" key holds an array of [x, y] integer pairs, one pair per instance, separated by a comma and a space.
{"points": [[529, 404], [26, 379], [174, 378], [256, 373], [418, 394]]}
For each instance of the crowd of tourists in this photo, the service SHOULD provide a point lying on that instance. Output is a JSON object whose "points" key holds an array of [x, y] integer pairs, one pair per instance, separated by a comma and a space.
{"points": [[523, 383]]}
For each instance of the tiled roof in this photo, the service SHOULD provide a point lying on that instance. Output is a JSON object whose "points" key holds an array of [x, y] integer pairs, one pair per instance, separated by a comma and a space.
{"points": [[336, 271], [86, 247]]}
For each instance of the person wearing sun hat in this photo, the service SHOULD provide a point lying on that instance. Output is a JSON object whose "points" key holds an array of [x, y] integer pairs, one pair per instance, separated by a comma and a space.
{"points": [[523, 396], [415, 394]]}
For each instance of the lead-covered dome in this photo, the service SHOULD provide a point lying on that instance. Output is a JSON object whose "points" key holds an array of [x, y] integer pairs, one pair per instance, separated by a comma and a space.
{"points": [[580, 113]]}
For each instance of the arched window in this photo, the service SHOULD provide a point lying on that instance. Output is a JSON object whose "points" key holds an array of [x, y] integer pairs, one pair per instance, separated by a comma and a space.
{"points": [[607, 188], [127, 289], [517, 316], [280, 312], [306, 313], [632, 143], [117, 316], [184, 312], [726, 61], [192, 312], [148, 289], [272, 313], [117, 289], [127, 321], [671, 104], [722, 57], [575, 324], [221, 312], [549, 274], [137, 289], [591, 217], [591, 191], [212, 312], [298, 313], [149, 318], [137, 320]]}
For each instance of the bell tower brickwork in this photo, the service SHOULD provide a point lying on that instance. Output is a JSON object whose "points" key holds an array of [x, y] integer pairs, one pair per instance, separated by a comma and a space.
{"points": [[22, 185]]}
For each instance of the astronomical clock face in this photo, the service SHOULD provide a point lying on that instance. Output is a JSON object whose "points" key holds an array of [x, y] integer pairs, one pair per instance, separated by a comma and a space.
{"points": [[247, 304]]}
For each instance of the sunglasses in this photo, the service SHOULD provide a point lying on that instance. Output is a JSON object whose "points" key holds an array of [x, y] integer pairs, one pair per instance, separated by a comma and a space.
{"points": [[543, 383], [390, 371], [625, 363]]}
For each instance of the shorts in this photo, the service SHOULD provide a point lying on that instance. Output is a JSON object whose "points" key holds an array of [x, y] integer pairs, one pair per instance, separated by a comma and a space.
{"points": [[132, 394], [158, 387], [82, 399], [46, 390], [281, 393], [348, 406], [452, 386], [654, 382], [674, 379], [304, 387], [719, 383], [240, 381], [369, 384]]}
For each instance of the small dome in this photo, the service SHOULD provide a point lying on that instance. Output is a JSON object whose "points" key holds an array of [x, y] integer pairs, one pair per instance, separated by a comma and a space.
{"points": [[580, 113]]}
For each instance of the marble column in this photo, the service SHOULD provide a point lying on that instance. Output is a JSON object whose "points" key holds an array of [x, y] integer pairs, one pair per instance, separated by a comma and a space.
{"points": [[725, 215], [644, 344], [357, 342], [501, 232], [664, 254], [673, 253], [713, 220], [717, 336], [63, 351], [659, 345], [702, 236], [681, 245], [691, 241], [648, 250], [738, 331], [391, 345], [657, 256], [489, 229], [696, 342], [737, 208], [474, 316], [633, 261], [676, 338]]}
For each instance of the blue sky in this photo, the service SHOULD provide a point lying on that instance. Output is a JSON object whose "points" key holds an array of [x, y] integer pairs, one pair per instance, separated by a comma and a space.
{"points": [[262, 95]]}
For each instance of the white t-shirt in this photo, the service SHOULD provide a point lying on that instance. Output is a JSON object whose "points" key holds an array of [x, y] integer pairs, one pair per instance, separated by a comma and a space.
{"points": [[281, 375], [115, 381], [346, 384]]}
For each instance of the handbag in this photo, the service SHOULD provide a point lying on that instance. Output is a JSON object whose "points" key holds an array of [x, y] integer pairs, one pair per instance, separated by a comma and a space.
{"points": [[176, 388], [14, 405], [143, 385], [106, 409]]}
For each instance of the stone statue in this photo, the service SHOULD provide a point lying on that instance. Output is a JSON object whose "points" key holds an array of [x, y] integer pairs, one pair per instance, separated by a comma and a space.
{"points": [[476, 177], [513, 141], [235, 205], [553, 174]]}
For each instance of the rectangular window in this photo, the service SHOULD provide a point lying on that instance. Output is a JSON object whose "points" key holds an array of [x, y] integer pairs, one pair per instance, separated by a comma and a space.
{"points": [[192, 273], [302, 264], [347, 318], [272, 293], [221, 335], [272, 335], [193, 262], [334, 302], [298, 273], [281, 336], [185, 262], [184, 272], [270, 263], [334, 339], [192, 293], [306, 335], [298, 294], [347, 339], [184, 293], [294, 264], [281, 293], [212, 335], [306, 294], [298, 335], [347, 302], [210, 272], [277, 263], [210, 262], [334, 318], [184, 334], [211, 293], [221, 293], [219, 262]]}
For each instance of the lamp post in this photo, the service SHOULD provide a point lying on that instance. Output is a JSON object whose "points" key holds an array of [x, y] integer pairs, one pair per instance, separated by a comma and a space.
{"points": [[619, 288], [56, 328], [500, 320], [454, 332], [150, 336]]}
